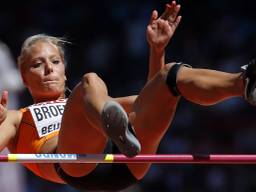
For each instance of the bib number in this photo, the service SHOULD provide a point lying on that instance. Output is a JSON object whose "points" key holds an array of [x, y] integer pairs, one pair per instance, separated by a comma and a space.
{"points": [[47, 116]]}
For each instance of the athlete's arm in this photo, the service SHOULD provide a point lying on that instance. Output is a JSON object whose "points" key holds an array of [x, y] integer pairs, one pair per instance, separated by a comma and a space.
{"points": [[8, 120], [159, 32], [3, 106]]}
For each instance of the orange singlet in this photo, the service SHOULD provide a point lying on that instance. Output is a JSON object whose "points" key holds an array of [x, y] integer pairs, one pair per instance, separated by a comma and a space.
{"points": [[40, 122]]}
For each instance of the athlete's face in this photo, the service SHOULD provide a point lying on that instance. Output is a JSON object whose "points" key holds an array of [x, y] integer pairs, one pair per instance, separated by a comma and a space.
{"points": [[44, 71]]}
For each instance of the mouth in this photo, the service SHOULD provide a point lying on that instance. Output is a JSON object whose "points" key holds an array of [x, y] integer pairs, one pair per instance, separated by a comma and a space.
{"points": [[50, 82]]}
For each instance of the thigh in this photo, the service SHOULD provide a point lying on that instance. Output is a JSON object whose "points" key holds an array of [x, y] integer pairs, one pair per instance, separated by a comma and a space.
{"points": [[78, 135]]}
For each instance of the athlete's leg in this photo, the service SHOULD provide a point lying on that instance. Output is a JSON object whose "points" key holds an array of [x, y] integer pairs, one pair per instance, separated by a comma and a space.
{"points": [[90, 117], [155, 106], [81, 127], [208, 87], [151, 116]]}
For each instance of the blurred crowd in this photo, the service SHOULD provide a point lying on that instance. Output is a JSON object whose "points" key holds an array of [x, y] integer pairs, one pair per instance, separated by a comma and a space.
{"points": [[108, 38]]}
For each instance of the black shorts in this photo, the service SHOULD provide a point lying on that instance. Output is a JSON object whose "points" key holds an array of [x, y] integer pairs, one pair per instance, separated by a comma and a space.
{"points": [[107, 177]]}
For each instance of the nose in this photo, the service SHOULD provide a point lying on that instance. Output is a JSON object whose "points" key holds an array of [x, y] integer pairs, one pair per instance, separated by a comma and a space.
{"points": [[48, 68]]}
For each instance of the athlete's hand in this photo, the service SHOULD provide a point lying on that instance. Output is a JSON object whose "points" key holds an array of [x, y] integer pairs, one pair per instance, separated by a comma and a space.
{"points": [[161, 29], [3, 106]]}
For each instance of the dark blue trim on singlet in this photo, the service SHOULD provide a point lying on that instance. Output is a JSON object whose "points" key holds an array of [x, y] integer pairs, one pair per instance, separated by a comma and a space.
{"points": [[105, 177]]}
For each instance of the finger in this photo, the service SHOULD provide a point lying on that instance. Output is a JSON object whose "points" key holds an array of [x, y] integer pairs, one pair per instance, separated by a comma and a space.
{"points": [[172, 8], [166, 13], [174, 3], [154, 16], [4, 98], [174, 13], [177, 9], [149, 30], [171, 11], [177, 21]]}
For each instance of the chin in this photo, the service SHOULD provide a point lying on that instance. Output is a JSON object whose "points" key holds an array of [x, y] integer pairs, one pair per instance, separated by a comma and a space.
{"points": [[53, 93], [54, 89], [48, 92]]}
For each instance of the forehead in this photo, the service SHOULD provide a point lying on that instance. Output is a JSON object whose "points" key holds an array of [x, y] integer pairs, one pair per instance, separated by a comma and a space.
{"points": [[43, 49]]}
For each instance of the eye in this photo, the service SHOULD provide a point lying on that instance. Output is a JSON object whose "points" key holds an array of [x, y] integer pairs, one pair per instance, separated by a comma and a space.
{"points": [[56, 62], [36, 65]]}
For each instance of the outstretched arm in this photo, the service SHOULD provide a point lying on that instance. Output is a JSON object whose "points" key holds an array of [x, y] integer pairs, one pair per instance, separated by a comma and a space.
{"points": [[3, 106], [159, 32], [7, 121]]}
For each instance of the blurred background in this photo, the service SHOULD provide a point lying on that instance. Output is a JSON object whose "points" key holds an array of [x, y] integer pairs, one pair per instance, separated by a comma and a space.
{"points": [[108, 37]]}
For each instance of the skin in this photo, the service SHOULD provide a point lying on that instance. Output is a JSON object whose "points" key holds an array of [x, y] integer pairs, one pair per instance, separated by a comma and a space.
{"points": [[159, 32], [149, 113], [44, 73]]}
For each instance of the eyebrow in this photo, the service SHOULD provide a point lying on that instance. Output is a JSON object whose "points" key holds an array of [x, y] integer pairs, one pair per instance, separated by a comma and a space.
{"points": [[42, 58]]}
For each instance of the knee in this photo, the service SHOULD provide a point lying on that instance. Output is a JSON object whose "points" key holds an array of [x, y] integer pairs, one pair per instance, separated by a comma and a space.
{"points": [[90, 78], [93, 81]]}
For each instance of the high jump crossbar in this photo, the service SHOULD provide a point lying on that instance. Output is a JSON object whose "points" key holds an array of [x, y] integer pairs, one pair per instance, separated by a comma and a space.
{"points": [[145, 158]]}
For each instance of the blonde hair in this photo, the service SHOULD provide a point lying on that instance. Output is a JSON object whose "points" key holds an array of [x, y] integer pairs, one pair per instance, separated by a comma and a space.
{"points": [[58, 41]]}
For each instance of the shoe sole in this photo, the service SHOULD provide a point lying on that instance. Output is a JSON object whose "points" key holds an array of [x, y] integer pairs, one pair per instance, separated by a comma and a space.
{"points": [[116, 124]]}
